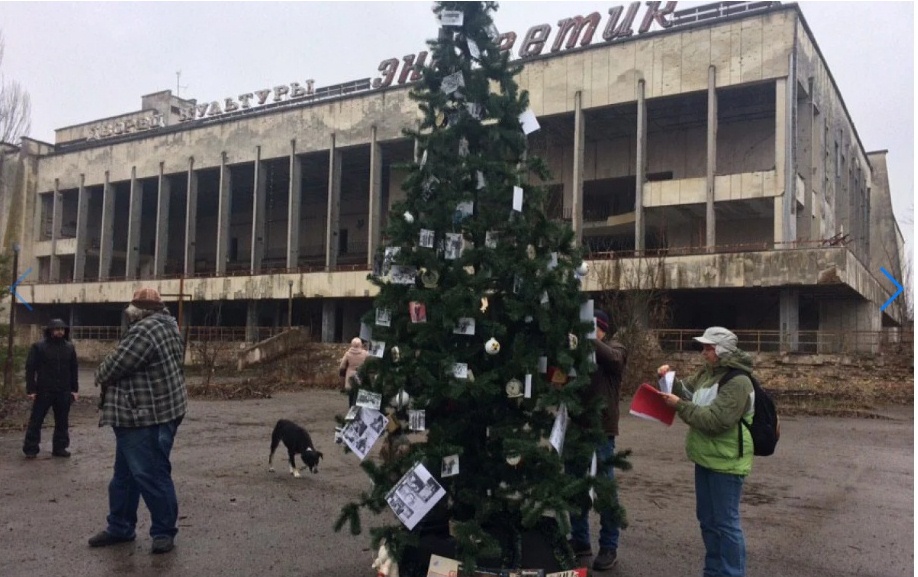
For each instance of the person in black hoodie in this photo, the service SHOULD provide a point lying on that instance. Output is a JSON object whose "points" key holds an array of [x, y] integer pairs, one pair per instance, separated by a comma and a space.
{"points": [[51, 383]]}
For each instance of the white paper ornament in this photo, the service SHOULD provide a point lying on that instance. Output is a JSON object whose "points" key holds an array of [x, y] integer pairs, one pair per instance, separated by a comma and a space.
{"points": [[583, 269], [572, 341], [492, 347], [409, 218]]}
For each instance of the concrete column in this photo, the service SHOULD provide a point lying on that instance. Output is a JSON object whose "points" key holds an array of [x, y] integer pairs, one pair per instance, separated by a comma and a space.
{"points": [[334, 207], [640, 171], [163, 200], [223, 215], [79, 258], [57, 207], [294, 202], [258, 213], [710, 215], [789, 208], [106, 232], [191, 218], [132, 250], [251, 322], [374, 218], [577, 184], [328, 321], [790, 320]]}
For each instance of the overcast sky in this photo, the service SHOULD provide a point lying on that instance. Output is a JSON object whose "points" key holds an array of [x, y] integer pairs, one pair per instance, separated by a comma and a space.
{"points": [[84, 61]]}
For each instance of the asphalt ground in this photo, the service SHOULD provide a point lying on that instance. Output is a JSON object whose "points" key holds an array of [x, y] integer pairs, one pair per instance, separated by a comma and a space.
{"points": [[835, 500]]}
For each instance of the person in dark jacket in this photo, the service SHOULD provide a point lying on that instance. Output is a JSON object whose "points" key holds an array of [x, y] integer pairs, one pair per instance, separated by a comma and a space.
{"points": [[605, 387], [52, 382]]}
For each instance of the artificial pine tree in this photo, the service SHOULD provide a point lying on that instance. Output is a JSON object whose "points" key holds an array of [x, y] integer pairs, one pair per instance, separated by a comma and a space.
{"points": [[479, 303]]}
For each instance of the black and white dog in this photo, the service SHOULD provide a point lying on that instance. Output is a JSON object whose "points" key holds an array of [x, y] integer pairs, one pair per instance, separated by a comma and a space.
{"points": [[298, 442]]}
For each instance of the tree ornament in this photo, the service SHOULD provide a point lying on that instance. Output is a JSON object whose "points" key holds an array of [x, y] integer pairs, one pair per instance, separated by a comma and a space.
{"points": [[582, 269], [396, 354], [484, 304], [572, 341], [430, 278], [400, 400], [513, 459], [514, 389], [409, 218], [492, 347]]}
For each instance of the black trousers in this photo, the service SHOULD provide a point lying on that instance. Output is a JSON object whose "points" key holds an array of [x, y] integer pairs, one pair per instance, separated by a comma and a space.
{"points": [[59, 402]]}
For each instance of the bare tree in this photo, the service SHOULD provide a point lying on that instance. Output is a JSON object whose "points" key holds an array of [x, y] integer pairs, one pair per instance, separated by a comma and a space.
{"points": [[15, 106]]}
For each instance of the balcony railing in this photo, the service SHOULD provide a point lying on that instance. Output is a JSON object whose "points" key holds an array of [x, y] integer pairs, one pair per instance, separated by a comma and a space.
{"points": [[671, 340]]}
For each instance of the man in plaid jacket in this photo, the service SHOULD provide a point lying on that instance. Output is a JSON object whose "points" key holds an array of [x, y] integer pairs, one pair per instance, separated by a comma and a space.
{"points": [[143, 399]]}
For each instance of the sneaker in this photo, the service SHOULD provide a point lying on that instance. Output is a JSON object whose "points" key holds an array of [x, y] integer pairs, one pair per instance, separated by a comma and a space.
{"points": [[605, 560], [162, 544], [580, 549], [61, 453], [104, 539]]}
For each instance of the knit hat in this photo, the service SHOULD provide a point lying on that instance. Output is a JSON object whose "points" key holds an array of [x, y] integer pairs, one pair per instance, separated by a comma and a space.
{"points": [[147, 299], [56, 324], [723, 340], [602, 320]]}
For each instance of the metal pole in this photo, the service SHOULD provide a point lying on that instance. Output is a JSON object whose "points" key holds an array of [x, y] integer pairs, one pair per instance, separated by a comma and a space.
{"points": [[8, 369], [289, 304]]}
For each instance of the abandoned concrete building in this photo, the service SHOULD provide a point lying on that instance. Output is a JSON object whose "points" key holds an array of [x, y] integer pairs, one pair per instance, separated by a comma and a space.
{"points": [[714, 149]]}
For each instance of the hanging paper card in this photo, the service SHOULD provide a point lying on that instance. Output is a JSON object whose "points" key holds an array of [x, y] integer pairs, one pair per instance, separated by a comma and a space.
{"points": [[527, 386], [451, 18], [450, 466], [474, 51], [366, 333], [592, 473], [403, 274], [481, 180], [464, 326], [517, 198], [543, 364], [464, 210], [559, 429], [461, 370], [414, 496], [377, 349], [417, 311], [491, 239], [416, 420], [426, 238], [453, 249], [453, 82], [368, 399], [362, 433], [383, 317], [528, 121], [553, 261]]}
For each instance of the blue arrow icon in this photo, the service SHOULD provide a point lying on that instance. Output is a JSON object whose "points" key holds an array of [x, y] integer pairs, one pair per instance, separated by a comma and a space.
{"points": [[16, 294], [895, 294]]}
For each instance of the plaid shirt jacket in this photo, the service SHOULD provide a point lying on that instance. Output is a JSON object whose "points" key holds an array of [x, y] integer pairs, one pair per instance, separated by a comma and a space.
{"points": [[143, 380]]}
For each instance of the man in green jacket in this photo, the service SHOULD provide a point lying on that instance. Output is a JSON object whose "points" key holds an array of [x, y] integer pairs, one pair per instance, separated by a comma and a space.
{"points": [[712, 408]]}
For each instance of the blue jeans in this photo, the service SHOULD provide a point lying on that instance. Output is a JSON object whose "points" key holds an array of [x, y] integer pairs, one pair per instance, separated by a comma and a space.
{"points": [[717, 498], [608, 528], [142, 469]]}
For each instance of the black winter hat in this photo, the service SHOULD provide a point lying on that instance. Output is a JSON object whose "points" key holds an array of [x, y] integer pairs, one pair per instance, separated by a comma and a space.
{"points": [[57, 324]]}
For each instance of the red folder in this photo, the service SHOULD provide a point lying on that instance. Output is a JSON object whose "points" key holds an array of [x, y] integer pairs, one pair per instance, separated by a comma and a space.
{"points": [[648, 404]]}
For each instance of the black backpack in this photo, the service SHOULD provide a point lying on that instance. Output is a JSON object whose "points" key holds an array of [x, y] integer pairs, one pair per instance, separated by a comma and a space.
{"points": [[765, 427]]}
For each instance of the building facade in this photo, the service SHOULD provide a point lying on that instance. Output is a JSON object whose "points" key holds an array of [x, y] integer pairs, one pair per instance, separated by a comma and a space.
{"points": [[709, 145]]}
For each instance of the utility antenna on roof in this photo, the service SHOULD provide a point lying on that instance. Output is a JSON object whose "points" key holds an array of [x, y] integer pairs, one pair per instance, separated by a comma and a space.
{"points": [[178, 85]]}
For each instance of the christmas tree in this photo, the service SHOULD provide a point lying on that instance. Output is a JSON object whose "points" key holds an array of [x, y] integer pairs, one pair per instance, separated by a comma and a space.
{"points": [[480, 341]]}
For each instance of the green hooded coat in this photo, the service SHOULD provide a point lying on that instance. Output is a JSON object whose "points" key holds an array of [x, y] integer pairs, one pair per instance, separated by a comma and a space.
{"points": [[712, 410]]}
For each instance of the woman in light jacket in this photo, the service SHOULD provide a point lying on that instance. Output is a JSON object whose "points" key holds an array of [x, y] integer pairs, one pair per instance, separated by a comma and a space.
{"points": [[712, 406], [350, 362]]}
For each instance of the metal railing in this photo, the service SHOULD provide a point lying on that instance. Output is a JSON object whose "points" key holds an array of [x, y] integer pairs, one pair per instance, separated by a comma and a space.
{"points": [[671, 340]]}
